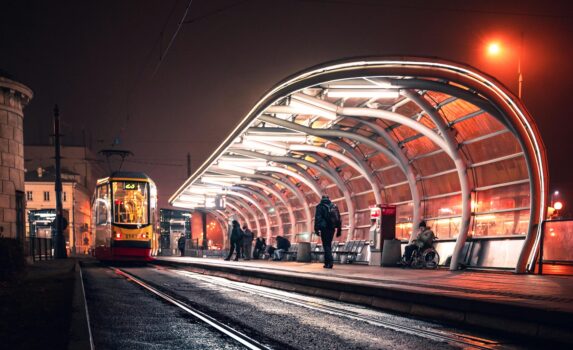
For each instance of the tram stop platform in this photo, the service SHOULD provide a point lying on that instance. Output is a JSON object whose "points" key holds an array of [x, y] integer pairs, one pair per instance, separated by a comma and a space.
{"points": [[525, 305]]}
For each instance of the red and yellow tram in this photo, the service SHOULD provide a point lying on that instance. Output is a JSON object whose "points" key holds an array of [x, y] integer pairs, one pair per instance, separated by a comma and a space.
{"points": [[124, 217]]}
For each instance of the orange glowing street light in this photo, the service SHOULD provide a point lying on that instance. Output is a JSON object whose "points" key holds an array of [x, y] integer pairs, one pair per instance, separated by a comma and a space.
{"points": [[495, 49]]}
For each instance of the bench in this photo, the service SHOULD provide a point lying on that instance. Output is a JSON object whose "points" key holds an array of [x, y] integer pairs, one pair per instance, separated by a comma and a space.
{"points": [[317, 251], [351, 250], [291, 253]]}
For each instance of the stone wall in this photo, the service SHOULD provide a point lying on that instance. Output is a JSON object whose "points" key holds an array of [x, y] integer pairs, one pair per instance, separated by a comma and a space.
{"points": [[13, 98]]}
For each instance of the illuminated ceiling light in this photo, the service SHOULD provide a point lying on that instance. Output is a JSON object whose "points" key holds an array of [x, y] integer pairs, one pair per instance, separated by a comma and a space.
{"points": [[259, 146], [192, 198], [276, 137], [204, 189], [183, 205], [558, 205], [366, 93], [298, 107], [241, 162], [220, 179], [239, 169], [313, 101]]}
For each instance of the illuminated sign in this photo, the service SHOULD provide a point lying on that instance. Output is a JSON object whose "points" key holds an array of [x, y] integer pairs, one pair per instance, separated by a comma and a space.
{"points": [[130, 186]]}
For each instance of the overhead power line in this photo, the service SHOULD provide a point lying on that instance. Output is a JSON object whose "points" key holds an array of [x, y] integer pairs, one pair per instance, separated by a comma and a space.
{"points": [[179, 25]]}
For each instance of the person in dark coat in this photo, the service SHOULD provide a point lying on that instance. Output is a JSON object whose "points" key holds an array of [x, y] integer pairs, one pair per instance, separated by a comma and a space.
{"points": [[181, 244], [283, 245], [247, 242], [325, 228], [236, 241], [260, 246]]}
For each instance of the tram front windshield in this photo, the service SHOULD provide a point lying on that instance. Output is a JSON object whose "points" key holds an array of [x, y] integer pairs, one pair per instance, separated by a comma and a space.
{"points": [[130, 202]]}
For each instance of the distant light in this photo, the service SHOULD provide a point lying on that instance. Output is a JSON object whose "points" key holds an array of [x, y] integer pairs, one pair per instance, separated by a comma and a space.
{"points": [[494, 49], [558, 205], [556, 193]]}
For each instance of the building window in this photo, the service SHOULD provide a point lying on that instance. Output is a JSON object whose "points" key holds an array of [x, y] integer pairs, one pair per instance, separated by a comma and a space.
{"points": [[29, 196], [46, 196], [64, 196]]}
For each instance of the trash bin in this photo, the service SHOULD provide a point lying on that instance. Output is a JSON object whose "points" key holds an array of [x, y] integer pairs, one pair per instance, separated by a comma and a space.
{"points": [[391, 252], [303, 252]]}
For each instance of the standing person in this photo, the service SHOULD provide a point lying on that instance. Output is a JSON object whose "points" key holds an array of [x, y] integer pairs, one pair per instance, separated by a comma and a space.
{"points": [[326, 222], [181, 244], [236, 236], [247, 242]]}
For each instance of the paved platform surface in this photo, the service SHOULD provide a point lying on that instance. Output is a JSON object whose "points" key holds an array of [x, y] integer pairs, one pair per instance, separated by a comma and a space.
{"points": [[544, 292]]}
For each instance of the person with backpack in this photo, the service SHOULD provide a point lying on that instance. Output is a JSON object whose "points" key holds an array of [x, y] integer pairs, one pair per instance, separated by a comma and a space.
{"points": [[326, 222], [236, 241]]}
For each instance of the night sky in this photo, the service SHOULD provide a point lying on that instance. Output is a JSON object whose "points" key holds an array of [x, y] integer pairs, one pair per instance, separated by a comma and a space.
{"points": [[100, 61]]}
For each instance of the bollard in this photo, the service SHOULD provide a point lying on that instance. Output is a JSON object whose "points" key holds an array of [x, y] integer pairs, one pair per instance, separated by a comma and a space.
{"points": [[303, 252], [391, 252]]}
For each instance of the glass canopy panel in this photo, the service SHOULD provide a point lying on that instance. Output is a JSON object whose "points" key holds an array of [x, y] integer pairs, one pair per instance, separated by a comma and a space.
{"points": [[421, 145], [392, 176], [457, 109], [491, 148], [446, 206], [502, 224], [446, 183], [503, 198], [434, 164], [398, 194], [501, 172], [479, 125]]}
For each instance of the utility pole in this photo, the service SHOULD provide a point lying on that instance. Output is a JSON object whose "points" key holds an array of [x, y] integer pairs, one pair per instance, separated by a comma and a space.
{"points": [[60, 243], [188, 165]]}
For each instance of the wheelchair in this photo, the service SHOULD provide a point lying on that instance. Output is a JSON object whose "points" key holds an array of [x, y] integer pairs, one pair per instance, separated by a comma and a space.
{"points": [[427, 258]]}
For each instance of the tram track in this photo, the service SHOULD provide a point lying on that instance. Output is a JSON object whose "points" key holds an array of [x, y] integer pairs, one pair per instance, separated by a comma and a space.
{"points": [[457, 339], [238, 336]]}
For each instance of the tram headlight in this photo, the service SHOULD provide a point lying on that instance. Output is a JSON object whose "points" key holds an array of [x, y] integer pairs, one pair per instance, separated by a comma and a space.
{"points": [[117, 235], [144, 235]]}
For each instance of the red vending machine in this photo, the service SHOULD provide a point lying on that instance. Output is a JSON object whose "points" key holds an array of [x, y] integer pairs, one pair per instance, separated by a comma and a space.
{"points": [[387, 223]]}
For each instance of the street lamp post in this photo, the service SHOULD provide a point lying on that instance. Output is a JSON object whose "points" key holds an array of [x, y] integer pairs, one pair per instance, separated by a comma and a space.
{"points": [[495, 49]]}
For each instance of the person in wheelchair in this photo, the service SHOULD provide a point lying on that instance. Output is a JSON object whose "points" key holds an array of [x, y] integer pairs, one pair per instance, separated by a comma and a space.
{"points": [[424, 240]]}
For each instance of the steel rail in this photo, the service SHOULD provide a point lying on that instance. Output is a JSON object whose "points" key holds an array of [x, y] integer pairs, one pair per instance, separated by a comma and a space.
{"points": [[465, 340], [240, 337]]}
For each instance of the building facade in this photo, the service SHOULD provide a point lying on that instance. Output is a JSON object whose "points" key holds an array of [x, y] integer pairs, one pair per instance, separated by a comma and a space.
{"points": [[13, 98], [80, 170]]}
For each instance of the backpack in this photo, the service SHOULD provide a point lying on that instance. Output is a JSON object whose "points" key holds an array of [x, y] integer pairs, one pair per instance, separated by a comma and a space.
{"points": [[334, 216]]}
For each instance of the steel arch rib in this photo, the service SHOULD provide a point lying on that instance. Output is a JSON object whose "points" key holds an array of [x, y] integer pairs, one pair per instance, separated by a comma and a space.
{"points": [[406, 168], [325, 171], [258, 206], [277, 195], [238, 200], [238, 212], [461, 168], [301, 197], [327, 134], [266, 200], [311, 184], [285, 183]]}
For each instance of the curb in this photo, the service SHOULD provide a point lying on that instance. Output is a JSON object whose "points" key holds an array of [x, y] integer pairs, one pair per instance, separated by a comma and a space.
{"points": [[512, 319], [80, 337]]}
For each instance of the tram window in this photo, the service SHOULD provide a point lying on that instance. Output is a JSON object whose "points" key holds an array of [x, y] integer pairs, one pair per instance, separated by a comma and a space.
{"points": [[130, 202], [102, 207]]}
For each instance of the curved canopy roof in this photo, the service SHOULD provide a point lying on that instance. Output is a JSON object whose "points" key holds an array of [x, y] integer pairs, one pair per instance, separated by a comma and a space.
{"points": [[440, 141]]}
